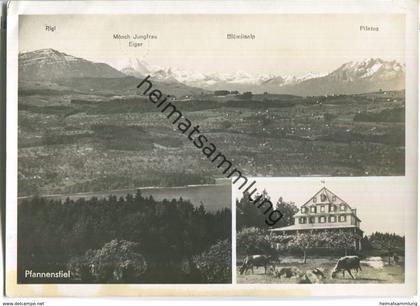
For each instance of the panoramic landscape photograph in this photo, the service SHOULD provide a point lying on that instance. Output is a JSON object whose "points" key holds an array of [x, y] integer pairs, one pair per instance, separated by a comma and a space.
{"points": [[110, 190]]}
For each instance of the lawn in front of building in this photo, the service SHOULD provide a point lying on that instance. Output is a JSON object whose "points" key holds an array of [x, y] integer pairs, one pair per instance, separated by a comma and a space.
{"points": [[372, 272]]}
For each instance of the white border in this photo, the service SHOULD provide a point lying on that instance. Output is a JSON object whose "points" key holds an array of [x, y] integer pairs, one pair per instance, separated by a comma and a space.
{"points": [[407, 7]]}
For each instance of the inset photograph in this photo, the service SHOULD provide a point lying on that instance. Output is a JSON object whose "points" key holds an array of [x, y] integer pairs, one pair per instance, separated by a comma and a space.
{"points": [[330, 231], [170, 235]]}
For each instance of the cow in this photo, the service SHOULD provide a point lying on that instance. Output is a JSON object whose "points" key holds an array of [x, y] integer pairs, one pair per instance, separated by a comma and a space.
{"points": [[314, 276], [304, 279], [346, 263], [252, 261], [287, 272], [318, 272]]}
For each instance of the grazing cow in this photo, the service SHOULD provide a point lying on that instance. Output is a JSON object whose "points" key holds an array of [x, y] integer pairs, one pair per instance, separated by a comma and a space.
{"points": [[287, 272], [314, 276], [318, 272], [304, 279], [255, 261], [346, 263]]}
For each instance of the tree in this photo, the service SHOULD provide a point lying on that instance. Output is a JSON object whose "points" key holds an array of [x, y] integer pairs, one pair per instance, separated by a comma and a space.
{"points": [[54, 235], [246, 95], [288, 210], [301, 241], [116, 261], [221, 92], [343, 240], [304, 242], [388, 243], [215, 265], [366, 245], [249, 215], [253, 240]]}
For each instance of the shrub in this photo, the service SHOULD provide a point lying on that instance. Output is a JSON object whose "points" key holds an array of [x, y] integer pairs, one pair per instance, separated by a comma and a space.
{"points": [[253, 240], [116, 261], [215, 264]]}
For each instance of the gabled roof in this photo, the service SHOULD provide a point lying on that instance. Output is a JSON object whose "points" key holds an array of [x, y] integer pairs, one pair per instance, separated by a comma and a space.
{"points": [[330, 198], [329, 195]]}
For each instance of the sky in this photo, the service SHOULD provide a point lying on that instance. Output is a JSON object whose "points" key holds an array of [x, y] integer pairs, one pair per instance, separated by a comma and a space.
{"points": [[382, 204], [284, 44]]}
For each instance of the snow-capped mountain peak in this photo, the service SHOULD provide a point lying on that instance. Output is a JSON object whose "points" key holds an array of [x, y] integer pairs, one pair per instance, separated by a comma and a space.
{"points": [[52, 64], [135, 67], [369, 73], [363, 76], [47, 56], [138, 68], [369, 68]]}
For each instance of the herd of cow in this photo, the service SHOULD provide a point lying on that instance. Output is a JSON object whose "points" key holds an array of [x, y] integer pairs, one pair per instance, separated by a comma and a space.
{"points": [[316, 275]]}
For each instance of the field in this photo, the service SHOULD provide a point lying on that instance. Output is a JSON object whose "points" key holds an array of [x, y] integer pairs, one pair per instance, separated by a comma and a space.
{"points": [[393, 273], [73, 141]]}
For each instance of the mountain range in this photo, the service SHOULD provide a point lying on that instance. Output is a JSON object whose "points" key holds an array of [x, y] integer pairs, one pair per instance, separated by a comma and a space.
{"points": [[350, 78], [50, 64], [75, 73]]}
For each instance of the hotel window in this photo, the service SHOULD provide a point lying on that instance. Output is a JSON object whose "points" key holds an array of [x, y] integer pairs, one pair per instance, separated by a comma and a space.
{"points": [[332, 219], [321, 219], [311, 219], [303, 210], [342, 218], [322, 208], [334, 198], [302, 220], [323, 197], [343, 207], [313, 209], [314, 200]]}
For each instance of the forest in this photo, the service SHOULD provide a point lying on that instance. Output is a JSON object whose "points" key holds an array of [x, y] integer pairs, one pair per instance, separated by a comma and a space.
{"points": [[131, 239]]}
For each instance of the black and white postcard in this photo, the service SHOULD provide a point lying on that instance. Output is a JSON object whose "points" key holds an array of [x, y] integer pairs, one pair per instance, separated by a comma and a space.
{"points": [[215, 148]]}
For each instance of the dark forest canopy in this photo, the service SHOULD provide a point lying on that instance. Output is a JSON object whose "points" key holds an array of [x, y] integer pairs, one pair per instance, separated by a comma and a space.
{"points": [[249, 215], [170, 235]]}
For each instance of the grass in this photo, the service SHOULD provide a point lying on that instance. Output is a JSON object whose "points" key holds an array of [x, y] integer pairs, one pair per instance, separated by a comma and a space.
{"points": [[393, 273]]}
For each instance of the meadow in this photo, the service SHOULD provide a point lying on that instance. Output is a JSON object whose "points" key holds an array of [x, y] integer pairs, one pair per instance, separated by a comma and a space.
{"points": [[371, 272], [90, 141]]}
